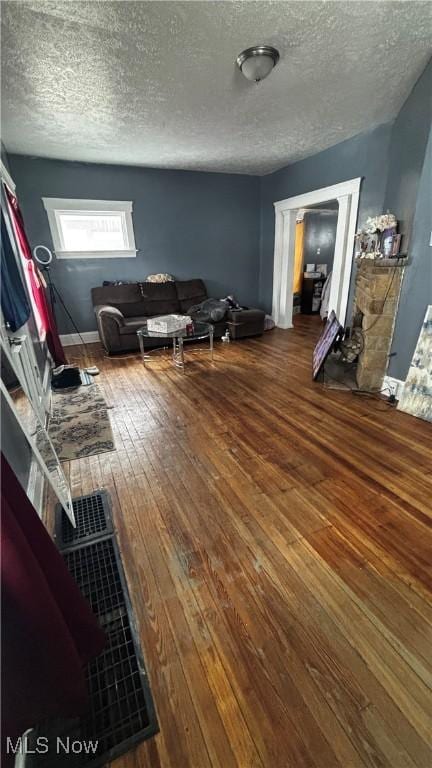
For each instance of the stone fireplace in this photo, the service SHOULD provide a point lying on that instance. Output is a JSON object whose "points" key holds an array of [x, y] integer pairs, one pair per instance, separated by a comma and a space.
{"points": [[377, 289]]}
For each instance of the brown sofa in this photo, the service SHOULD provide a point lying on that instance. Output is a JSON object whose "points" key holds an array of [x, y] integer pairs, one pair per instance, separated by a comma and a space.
{"points": [[122, 309]]}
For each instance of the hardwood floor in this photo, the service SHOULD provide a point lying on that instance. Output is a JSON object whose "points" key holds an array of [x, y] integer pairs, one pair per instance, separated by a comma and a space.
{"points": [[276, 539]]}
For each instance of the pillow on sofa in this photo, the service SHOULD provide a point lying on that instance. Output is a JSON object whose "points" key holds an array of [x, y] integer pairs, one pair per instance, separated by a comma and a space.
{"points": [[190, 292], [125, 297], [159, 298]]}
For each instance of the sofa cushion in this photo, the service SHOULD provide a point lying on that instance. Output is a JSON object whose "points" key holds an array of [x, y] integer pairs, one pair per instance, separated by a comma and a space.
{"points": [[127, 298], [159, 299], [190, 292]]}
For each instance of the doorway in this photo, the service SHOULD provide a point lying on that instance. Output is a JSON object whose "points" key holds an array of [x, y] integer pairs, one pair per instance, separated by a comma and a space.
{"points": [[346, 195], [315, 240]]}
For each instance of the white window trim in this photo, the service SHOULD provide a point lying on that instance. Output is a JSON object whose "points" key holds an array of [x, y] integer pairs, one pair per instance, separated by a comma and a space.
{"points": [[57, 205]]}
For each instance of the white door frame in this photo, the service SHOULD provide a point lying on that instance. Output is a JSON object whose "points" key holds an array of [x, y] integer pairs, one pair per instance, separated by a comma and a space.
{"points": [[347, 194]]}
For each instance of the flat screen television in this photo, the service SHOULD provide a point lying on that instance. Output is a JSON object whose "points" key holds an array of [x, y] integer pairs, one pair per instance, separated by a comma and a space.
{"points": [[328, 338]]}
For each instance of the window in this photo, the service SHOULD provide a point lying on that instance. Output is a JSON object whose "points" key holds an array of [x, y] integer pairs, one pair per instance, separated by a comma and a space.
{"points": [[95, 229]]}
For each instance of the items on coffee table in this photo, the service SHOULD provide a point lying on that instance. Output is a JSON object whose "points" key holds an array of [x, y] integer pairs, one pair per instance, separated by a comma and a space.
{"points": [[168, 323], [194, 331]]}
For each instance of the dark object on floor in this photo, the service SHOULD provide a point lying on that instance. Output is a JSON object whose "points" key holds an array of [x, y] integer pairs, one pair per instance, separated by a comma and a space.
{"points": [[122, 309], [121, 713], [67, 376], [48, 631], [93, 520]]}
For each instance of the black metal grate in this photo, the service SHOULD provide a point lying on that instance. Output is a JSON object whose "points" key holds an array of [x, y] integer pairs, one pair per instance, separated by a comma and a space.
{"points": [[115, 684], [121, 710], [95, 569], [93, 520]]}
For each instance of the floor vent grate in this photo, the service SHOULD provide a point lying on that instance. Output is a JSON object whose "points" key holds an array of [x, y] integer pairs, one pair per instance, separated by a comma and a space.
{"points": [[93, 519], [121, 712]]}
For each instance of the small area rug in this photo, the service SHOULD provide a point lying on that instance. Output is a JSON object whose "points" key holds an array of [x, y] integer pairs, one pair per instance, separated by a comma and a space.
{"points": [[80, 425]]}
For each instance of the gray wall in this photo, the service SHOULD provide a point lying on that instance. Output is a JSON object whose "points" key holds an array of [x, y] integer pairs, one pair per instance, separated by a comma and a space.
{"points": [[416, 291], [320, 232], [407, 153], [365, 155], [186, 223], [408, 196]]}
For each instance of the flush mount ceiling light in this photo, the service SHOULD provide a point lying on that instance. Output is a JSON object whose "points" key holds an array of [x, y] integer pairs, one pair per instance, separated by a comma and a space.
{"points": [[257, 62]]}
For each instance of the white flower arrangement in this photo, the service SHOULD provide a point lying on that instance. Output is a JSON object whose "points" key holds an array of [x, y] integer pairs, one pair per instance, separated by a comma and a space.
{"points": [[380, 223], [369, 239]]}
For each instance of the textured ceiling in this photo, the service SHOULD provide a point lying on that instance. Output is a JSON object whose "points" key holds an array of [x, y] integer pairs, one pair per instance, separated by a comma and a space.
{"points": [[155, 84]]}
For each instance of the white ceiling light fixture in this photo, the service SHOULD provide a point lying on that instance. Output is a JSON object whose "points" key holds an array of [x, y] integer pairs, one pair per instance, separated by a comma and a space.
{"points": [[257, 62]]}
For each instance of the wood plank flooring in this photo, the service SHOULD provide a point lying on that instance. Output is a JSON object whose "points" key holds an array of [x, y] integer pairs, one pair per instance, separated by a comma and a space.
{"points": [[276, 539]]}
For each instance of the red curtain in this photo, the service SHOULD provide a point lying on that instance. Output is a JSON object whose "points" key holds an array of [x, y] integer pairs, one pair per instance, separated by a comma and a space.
{"points": [[41, 302], [48, 629]]}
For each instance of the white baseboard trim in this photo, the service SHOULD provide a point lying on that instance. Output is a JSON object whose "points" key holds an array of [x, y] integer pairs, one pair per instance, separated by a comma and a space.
{"points": [[88, 337], [395, 385]]}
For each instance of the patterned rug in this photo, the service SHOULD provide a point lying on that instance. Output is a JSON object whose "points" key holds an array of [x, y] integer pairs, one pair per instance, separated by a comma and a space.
{"points": [[80, 425]]}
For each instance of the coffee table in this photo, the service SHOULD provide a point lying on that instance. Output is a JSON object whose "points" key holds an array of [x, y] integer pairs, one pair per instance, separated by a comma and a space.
{"points": [[197, 332]]}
